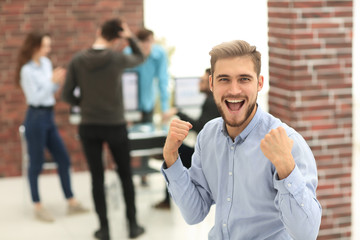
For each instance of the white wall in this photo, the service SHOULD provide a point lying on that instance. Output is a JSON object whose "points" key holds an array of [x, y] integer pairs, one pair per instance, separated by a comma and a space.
{"points": [[194, 27]]}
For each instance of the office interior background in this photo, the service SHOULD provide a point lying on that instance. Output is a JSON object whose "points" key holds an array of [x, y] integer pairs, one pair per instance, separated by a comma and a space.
{"points": [[310, 62]]}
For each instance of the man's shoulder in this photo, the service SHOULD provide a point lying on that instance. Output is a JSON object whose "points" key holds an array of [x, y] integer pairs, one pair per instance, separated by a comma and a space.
{"points": [[90, 55], [270, 122], [158, 47], [79, 54], [158, 50], [86, 52], [215, 124]]}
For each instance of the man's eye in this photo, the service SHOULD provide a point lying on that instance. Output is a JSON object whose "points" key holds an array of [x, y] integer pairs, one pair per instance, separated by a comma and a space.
{"points": [[244, 79], [223, 79]]}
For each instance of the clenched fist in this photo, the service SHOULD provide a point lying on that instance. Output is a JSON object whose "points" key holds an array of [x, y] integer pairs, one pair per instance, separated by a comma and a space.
{"points": [[277, 146], [178, 131]]}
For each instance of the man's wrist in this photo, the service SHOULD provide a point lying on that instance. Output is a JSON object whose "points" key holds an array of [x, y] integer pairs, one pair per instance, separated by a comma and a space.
{"points": [[285, 171], [170, 159]]}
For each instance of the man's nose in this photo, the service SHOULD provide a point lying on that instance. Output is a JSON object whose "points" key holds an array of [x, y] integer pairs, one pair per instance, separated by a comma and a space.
{"points": [[235, 87]]}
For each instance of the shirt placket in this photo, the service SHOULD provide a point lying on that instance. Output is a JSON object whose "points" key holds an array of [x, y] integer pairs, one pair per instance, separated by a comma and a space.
{"points": [[229, 193]]}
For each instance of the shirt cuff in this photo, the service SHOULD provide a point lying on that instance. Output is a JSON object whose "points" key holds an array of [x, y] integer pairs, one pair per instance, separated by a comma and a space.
{"points": [[293, 184], [173, 172]]}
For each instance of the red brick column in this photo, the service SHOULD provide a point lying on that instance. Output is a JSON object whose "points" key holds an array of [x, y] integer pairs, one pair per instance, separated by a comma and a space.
{"points": [[310, 57], [72, 25]]}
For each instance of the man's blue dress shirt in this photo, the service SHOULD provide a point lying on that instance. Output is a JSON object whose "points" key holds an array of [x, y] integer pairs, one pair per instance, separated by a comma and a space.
{"points": [[251, 201]]}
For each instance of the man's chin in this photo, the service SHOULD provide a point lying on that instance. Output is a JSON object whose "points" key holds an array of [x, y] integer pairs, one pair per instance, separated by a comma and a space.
{"points": [[234, 123]]}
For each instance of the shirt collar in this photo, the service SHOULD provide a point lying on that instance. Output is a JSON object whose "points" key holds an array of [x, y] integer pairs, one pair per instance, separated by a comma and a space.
{"points": [[242, 136], [33, 64]]}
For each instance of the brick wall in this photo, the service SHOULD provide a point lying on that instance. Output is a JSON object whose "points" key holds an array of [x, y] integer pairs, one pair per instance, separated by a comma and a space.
{"points": [[310, 55], [72, 25]]}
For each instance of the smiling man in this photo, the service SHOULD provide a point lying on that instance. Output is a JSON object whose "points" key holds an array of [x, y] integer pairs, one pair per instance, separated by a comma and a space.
{"points": [[260, 173]]}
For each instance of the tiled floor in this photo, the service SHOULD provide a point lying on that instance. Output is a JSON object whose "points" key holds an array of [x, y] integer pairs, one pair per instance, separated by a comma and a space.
{"points": [[17, 221]]}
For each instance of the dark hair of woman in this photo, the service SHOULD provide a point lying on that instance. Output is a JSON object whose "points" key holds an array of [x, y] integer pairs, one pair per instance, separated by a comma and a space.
{"points": [[31, 44]]}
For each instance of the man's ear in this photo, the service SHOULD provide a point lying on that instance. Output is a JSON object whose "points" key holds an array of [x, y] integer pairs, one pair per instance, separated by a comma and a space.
{"points": [[210, 82], [260, 82]]}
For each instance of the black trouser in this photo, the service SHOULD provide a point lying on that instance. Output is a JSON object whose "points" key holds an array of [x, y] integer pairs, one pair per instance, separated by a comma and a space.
{"points": [[186, 153], [147, 117], [93, 137]]}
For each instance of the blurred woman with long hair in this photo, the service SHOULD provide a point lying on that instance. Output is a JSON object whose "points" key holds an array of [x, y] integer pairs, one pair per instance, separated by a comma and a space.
{"points": [[39, 82]]}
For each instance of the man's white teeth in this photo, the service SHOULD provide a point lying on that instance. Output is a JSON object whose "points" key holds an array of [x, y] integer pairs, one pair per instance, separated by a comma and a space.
{"points": [[235, 101]]}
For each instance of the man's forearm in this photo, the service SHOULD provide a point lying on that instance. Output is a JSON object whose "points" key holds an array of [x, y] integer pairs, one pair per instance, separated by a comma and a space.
{"points": [[300, 211], [194, 203]]}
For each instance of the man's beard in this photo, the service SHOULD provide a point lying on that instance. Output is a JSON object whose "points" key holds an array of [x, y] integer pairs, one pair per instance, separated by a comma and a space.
{"points": [[237, 124]]}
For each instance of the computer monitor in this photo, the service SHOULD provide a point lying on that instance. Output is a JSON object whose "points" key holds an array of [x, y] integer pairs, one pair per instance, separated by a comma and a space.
{"points": [[130, 91], [187, 92]]}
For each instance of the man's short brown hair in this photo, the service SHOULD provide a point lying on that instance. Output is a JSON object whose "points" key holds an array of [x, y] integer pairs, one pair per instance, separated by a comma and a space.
{"points": [[236, 48]]}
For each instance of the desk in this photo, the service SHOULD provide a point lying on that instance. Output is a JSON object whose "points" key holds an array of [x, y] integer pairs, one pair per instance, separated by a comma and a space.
{"points": [[146, 140]]}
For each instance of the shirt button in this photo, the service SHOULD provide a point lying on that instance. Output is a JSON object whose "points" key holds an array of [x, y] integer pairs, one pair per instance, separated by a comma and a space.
{"points": [[302, 204], [232, 148], [289, 184], [230, 173], [224, 225], [228, 199]]}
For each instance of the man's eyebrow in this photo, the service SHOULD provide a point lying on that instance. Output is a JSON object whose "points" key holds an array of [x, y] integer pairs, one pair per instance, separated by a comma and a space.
{"points": [[245, 75], [241, 75], [222, 76]]}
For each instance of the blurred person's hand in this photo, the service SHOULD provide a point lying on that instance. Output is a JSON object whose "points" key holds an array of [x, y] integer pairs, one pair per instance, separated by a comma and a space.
{"points": [[166, 116], [59, 75], [126, 32]]}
